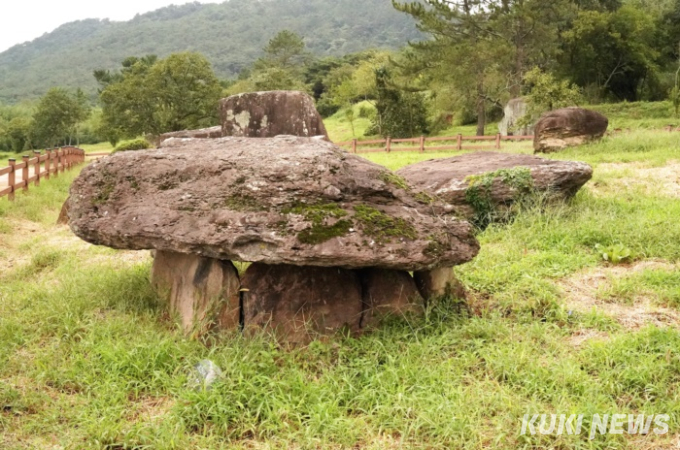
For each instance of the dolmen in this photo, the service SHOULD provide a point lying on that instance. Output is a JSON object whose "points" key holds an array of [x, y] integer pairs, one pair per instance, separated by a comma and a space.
{"points": [[331, 237], [568, 127], [483, 186]]}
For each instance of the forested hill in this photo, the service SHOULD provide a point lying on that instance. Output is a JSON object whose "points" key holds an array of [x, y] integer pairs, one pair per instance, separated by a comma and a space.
{"points": [[230, 34]]}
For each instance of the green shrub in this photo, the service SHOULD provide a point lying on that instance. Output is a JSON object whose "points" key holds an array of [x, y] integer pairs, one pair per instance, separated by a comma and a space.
{"points": [[135, 144], [367, 112]]}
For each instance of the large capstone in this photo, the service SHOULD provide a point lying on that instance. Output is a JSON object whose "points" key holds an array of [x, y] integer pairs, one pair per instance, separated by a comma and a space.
{"points": [[479, 184], [568, 127], [286, 200], [270, 114]]}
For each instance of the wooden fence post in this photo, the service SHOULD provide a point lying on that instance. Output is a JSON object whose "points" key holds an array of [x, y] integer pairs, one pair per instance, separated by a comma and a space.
{"points": [[354, 145], [11, 178], [422, 144], [56, 162], [459, 142], [48, 154], [36, 167], [388, 144], [24, 172], [498, 141]]}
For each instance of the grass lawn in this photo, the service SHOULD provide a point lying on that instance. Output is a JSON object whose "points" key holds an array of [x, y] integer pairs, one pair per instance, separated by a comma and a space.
{"points": [[89, 359]]}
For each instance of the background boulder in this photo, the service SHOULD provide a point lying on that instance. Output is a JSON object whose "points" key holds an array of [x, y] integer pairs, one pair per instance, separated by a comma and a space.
{"points": [[270, 114], [568, 127], [485, 182]]}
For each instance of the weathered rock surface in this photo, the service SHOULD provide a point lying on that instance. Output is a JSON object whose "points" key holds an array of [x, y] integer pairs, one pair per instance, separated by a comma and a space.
{"points": [[439, 282], [203, 292], [515, 110], [285, 200], [270, 114], [203, 133], [388, 293], [495, 180], [301, 303], [568, 127]]}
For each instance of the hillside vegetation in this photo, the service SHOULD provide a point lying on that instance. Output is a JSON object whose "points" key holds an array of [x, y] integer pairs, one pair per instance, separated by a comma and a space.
{"points": [[230, 34]]}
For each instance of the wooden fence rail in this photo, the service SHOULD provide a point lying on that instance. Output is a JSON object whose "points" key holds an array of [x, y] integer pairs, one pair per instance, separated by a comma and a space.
{"points": [[420, 143], [33, 169]]}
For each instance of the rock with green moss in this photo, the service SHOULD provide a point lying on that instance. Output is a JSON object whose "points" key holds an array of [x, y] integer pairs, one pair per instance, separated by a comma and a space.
{"points": [[483, 186], [285, 200]]}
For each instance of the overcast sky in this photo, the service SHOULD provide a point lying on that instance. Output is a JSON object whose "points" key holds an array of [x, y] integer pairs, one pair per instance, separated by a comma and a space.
{"points": [[25, 20]]}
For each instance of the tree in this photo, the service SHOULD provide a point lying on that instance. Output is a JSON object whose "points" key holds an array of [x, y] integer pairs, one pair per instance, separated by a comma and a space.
{"points": [[151, 96], [483, 47], [399, 114], [18, 133], [613, 51], [546, 93], [281, 68], [57, 117], [286, 51]]}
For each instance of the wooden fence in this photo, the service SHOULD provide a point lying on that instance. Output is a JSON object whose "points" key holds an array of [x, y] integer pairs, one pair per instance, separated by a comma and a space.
{"points": [[420, 144], [41, 166]]}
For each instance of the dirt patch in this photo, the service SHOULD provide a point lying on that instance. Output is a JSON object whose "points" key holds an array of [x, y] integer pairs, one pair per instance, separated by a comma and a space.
{"points": [[584, 335], [151, 409], [582, 295], [653, 181], [654, 442], [16, 247]]}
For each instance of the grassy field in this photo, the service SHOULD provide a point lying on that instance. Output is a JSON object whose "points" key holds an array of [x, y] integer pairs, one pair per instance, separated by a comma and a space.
{"points": [[89, 359]]}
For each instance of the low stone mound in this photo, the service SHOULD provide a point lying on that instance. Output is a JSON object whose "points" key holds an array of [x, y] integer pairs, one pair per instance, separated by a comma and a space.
{"points": [[270, 114], [483, 182], [203, 133], [568, 127]]}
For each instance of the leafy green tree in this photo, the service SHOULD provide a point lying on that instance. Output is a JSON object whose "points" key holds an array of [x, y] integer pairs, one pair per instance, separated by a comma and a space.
{"points": [[482, 47], [399, 114], [57, 116], [151, 96], [613, 51], [281, 68], [546, 93], [286, 51], [18, 132]]}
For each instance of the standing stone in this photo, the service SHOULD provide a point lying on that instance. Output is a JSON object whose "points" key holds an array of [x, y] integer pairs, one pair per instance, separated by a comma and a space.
{"points": [[300, 303], [270, 114], [514, 111], [203, 292], [568, 127], [63, 214], [388, 293], [439, 282]]}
